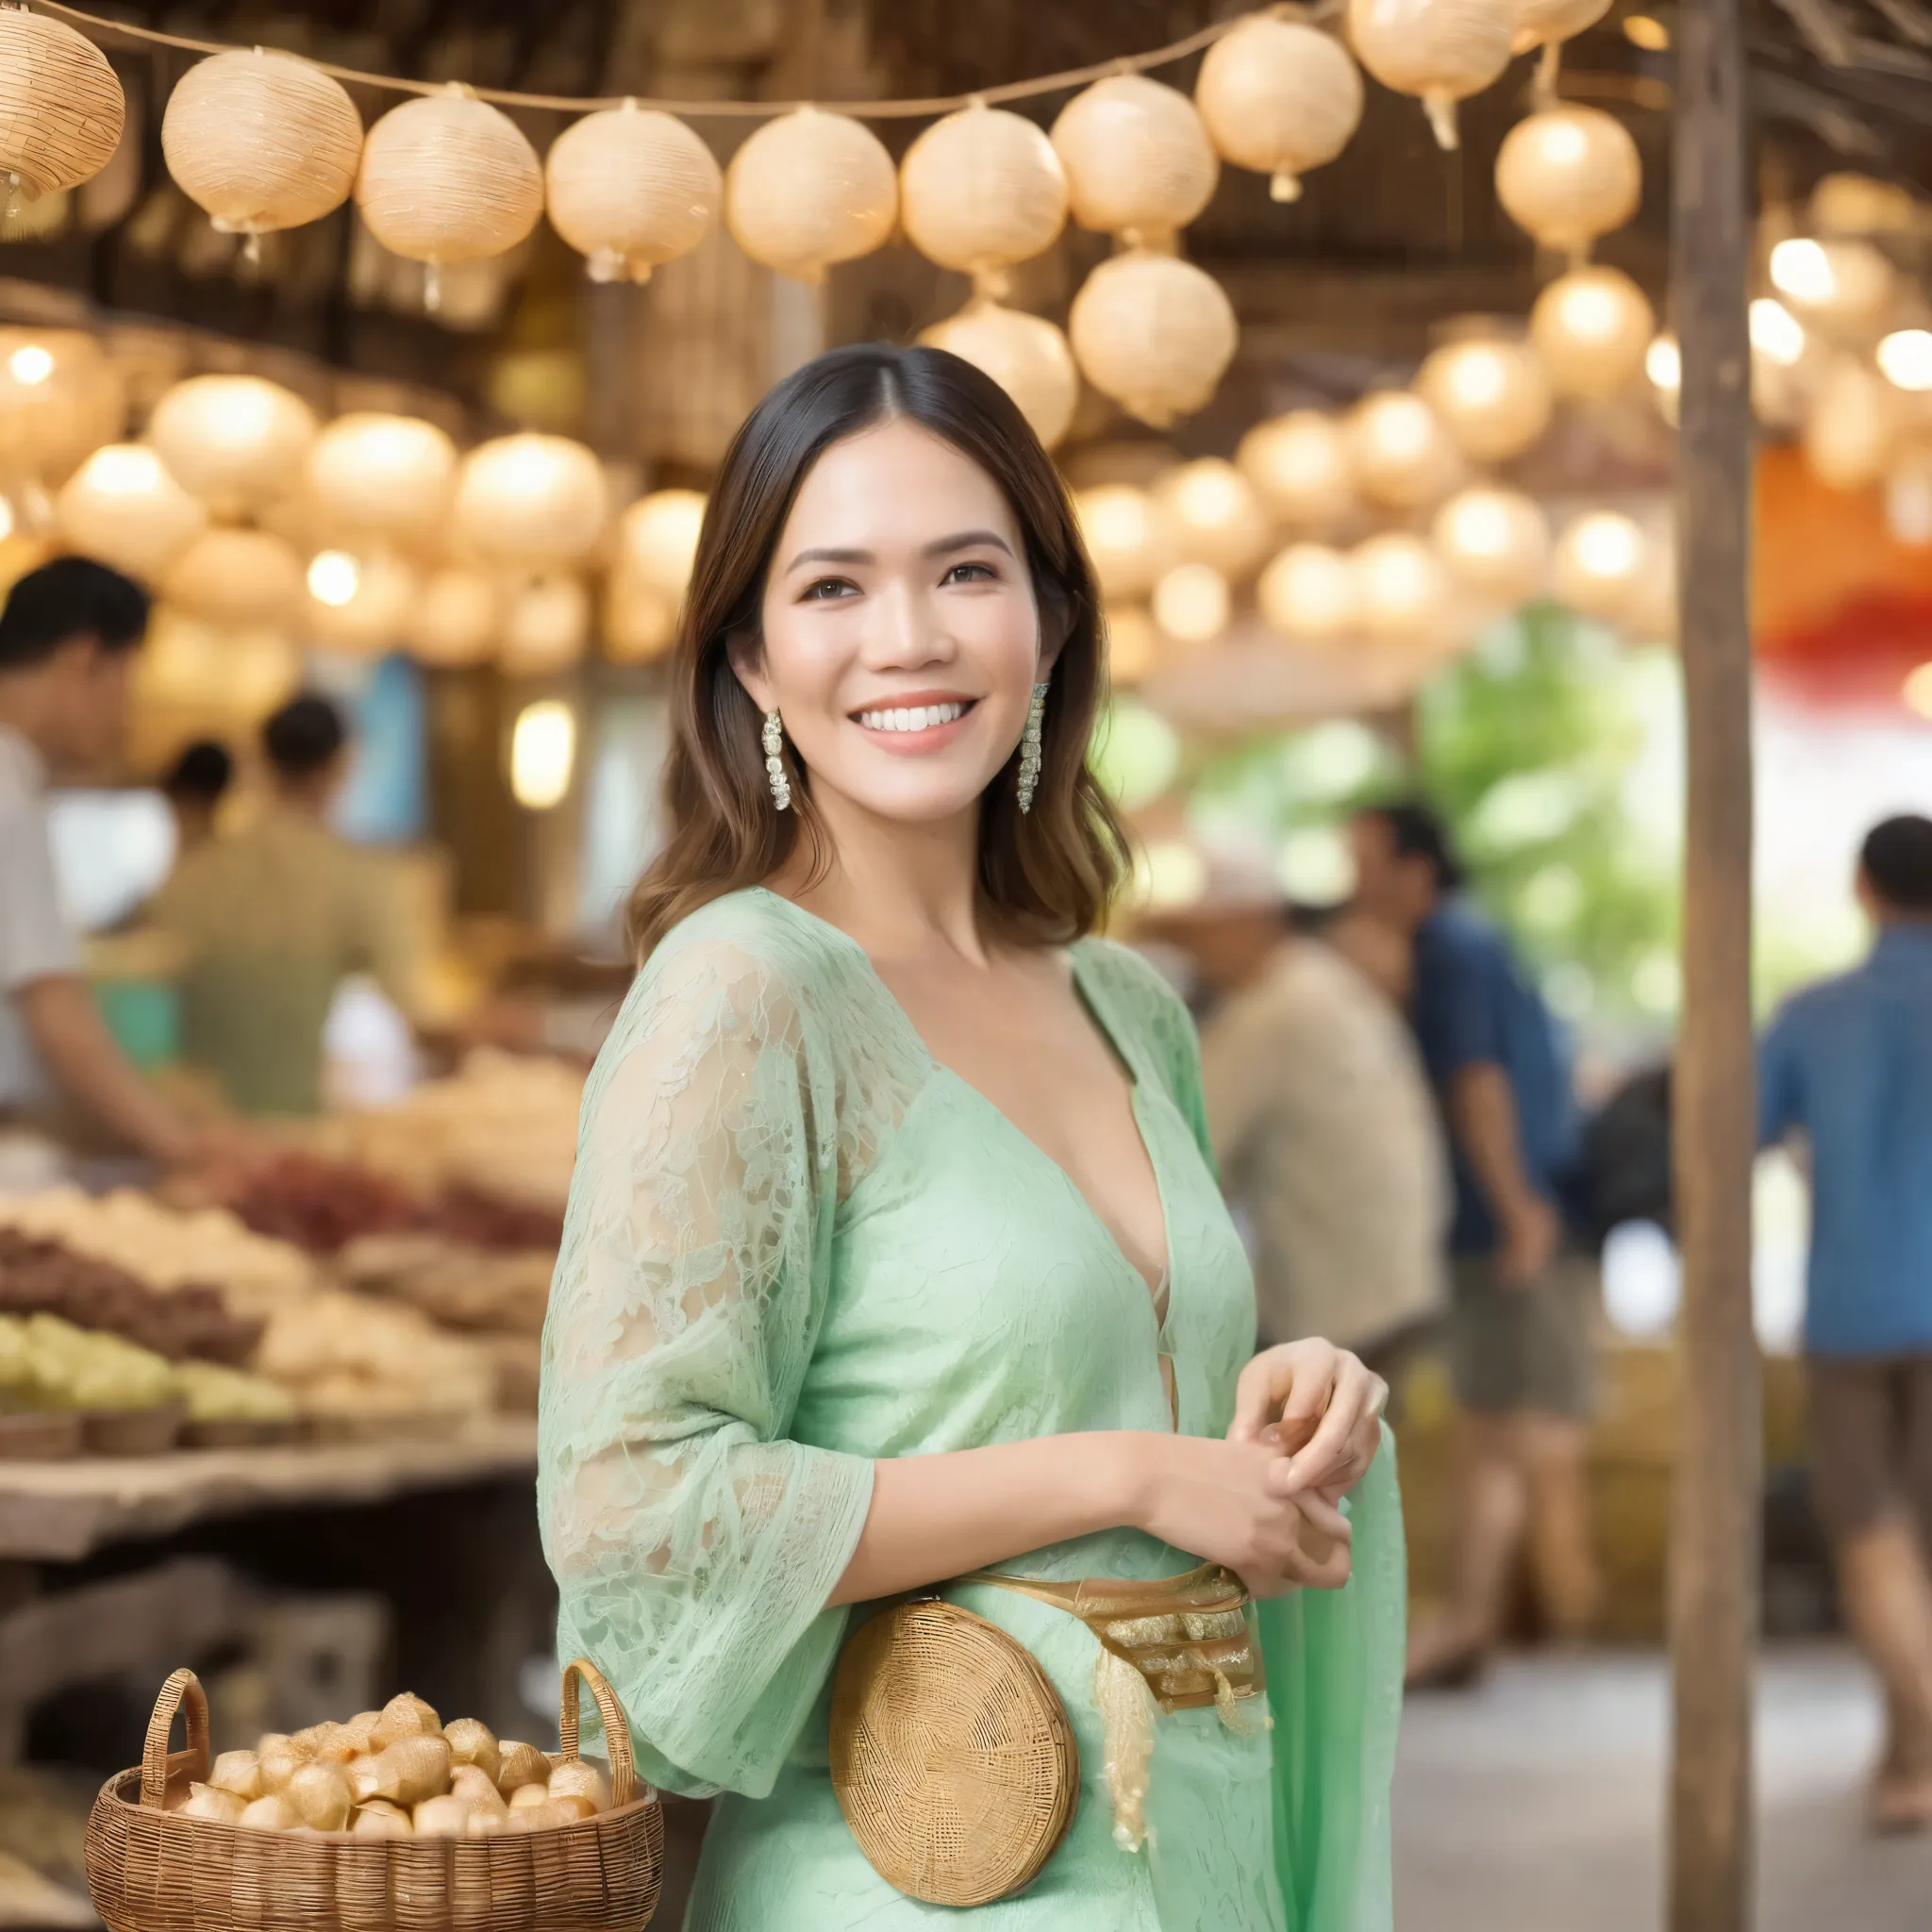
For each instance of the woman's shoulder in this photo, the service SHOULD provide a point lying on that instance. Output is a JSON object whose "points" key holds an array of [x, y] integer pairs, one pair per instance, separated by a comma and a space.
{"points": [[1138, 998], [749, 961], [752, 932]]}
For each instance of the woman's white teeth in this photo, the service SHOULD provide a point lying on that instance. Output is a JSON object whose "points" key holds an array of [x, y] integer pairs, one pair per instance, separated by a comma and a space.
{"points": [[913, 717]]}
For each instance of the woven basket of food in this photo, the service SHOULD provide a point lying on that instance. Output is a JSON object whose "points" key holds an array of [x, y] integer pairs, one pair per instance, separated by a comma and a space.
{"points": [[392, 1822]]}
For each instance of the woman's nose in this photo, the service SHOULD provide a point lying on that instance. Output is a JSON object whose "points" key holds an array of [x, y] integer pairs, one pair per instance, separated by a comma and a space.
{"points": [[902, 631]]}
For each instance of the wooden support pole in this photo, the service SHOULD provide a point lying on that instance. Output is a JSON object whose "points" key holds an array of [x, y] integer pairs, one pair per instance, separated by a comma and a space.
{"points": [[1715, 1525]]}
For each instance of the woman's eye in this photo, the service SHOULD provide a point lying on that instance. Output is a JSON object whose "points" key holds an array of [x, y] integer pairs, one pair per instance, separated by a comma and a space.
{"points": [[827, 587], [970, 573]]}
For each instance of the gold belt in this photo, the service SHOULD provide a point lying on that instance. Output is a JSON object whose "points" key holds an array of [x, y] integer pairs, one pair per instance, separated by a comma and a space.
{"points": [[1188, 1636]]}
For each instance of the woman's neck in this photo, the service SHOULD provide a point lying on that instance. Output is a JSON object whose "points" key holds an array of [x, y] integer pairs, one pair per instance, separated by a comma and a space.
{"points": [[902, 891]]}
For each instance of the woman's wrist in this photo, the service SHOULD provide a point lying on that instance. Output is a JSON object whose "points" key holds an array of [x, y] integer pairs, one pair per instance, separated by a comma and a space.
{"points": [[1123, 1476]]}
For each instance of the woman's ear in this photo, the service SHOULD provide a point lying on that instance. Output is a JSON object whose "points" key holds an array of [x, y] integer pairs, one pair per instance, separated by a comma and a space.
{"points": [[744, 653], [1059, 612]]}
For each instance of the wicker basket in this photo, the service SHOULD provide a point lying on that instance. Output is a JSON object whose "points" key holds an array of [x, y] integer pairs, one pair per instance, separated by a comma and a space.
{"points": [[153, 1871], [951, 1755]]}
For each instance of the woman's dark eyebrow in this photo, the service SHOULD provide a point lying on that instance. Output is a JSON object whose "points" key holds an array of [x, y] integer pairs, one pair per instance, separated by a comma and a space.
{"points": [[968, 540], [944, 546]]}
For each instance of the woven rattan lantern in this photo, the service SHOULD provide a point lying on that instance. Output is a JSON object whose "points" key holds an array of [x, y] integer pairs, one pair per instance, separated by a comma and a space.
{"points": [[1440, 50], [546, 625], [1308, 594], [1849, 204], [631, 189], [1548, 23], [1851, 427], [1127, 538], [1215, 515], [658, 539], [809, 189], [454, 618], [372, 471], [1139, 161], [640, 623], [232, 440], [1491, 396], [262, 140], [61, 109], [1152, 332], [448, 178], [1600, 561], [1026, 354], [1280, 97], [1844, 287], [1191, 603], [1592, 327], [1496, 543], [360, 601], [1401, 455], [1568, 174], [982, 189], [531, 499], [236, 577], [1301, 466], [1403, 593], [59, 399], [123, 506]]}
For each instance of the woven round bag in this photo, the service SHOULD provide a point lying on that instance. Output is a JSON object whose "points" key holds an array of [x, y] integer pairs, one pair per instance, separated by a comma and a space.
{"points": [[952, 1757]]}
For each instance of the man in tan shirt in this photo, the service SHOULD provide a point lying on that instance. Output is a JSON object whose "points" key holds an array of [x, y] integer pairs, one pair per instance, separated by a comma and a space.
{"points": [[272, 920], [1322, 1125]]}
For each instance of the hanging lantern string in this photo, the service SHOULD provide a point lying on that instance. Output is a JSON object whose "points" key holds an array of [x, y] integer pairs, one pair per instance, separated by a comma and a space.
{"points": [[864, 110]]}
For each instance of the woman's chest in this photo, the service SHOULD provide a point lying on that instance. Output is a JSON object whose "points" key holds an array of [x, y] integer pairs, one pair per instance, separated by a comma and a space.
{"points": [[1023, 1039], [976, 1296]]}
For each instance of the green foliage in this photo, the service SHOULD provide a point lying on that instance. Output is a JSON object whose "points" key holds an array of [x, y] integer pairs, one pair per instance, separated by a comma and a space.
{"points": [[1526, 747]]}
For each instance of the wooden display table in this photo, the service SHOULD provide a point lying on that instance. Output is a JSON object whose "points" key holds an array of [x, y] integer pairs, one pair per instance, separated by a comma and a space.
{"points": [[61, 1512]]}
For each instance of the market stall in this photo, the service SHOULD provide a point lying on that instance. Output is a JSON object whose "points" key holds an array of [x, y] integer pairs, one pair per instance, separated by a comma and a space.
{"points": [[1335, 441]]}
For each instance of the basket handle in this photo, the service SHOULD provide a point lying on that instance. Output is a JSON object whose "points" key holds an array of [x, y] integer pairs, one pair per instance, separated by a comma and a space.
{"points": [[183, 1688], [616, 1728]]}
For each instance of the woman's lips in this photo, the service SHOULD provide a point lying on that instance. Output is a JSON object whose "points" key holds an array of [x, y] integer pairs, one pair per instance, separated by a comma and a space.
{"points": [[908, 729]]}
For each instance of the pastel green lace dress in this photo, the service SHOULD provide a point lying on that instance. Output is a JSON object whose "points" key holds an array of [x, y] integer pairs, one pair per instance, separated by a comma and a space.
{"points": [[795, 1244]]}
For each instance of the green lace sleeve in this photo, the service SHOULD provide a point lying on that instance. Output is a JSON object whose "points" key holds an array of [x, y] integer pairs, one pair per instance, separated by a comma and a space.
{"points": [[693, 1545]]}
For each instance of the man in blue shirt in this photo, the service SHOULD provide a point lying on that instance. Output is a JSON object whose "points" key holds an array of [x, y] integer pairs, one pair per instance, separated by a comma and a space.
{"points": [[1848, 1065], [1519, 1338]]}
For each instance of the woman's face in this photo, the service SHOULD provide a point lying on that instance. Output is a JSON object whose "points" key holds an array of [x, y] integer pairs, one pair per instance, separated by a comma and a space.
{"points": [[901, 636]]}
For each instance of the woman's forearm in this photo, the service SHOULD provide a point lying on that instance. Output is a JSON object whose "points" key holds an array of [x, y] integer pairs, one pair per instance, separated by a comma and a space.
{"points": [[937, 1517]]}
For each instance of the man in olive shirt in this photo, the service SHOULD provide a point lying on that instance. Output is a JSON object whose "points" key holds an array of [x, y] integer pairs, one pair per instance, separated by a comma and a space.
{"points": [[275, 917]]}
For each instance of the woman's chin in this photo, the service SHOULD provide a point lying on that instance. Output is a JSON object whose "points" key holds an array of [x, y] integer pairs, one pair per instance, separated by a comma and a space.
{"points": [[911, 796]]}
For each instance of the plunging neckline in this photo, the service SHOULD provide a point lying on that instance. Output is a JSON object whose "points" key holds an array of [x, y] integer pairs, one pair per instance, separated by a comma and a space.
{"points": [[1159, 1292]]}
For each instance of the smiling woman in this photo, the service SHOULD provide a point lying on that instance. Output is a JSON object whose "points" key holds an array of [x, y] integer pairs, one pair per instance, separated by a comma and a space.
{"points": [[895, 1263], [876, 497]]}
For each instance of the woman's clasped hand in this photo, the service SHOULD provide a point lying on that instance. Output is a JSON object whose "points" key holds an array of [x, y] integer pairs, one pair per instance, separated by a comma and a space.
{"points": [[1265, 1503]]}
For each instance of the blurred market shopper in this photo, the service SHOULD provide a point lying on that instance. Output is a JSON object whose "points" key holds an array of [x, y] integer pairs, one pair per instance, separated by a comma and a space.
{"points": [[895, 1263], [1848, 1065], [274, 917], [68, 634], [1323, 1123], [194, 786], [1519, 1331]]}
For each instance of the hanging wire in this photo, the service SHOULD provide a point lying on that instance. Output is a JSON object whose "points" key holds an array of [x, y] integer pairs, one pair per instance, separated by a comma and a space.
{"points": [[863, 111]]}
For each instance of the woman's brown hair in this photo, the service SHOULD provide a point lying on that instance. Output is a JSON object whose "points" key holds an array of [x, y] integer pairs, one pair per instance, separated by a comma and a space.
{"points": [[1046, 877]]}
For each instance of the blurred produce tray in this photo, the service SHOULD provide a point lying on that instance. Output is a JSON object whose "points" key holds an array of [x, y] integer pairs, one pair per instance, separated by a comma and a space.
{"points": [[239, 1432], [388, 1426], [132, 1431], [40, 1435], [62, 1511]]}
